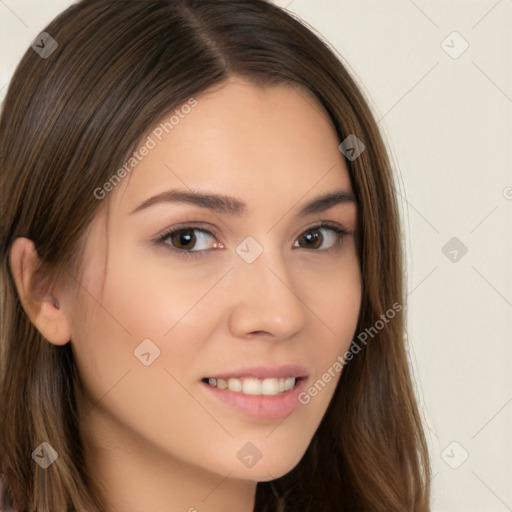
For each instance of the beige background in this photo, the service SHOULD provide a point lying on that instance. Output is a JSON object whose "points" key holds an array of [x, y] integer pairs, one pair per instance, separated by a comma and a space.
{"points": [[448, 121]]}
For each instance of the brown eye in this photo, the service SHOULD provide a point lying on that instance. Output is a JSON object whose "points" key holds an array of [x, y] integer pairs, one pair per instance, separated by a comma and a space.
{"points": [[186, 240], [314, 237], [183, 239]]}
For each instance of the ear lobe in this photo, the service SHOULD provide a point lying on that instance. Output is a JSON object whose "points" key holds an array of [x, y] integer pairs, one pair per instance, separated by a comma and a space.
{"points": [[39, 300]]}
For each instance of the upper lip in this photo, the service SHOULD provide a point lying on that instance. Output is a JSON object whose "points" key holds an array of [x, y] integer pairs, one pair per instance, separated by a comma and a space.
{"points": [[264, 372]]}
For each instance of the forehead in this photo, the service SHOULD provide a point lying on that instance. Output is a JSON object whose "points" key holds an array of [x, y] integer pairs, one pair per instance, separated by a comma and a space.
{"points": [[241, 139]]}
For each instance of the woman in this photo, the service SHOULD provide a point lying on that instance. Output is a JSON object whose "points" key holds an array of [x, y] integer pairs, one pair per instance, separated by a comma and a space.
{"points": [[202, 268]]}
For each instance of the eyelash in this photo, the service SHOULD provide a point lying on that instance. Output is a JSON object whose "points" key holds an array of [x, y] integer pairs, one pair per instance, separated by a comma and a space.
{"points": [[161, 239]]}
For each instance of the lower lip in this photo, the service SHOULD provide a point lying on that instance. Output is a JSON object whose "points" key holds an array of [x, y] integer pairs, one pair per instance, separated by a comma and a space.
{"points": [[265, 407]]}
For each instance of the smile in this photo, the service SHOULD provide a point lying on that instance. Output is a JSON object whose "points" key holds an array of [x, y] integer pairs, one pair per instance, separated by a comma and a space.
{"points": [[254, 386]]}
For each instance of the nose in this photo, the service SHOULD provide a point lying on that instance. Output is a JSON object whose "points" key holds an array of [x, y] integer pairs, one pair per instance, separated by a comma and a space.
{"points": [[266, 298]]}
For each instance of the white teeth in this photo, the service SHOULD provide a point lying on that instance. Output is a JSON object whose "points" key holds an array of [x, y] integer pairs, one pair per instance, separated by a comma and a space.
{"points": [[270, 387], [253, 386], [234, 385]]}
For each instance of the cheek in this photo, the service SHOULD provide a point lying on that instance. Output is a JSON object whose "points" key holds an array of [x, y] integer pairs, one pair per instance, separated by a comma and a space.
{"points": [[153, 402], [333, 294], [154, 295], [139, 310], [335, 301], [341, 307]]}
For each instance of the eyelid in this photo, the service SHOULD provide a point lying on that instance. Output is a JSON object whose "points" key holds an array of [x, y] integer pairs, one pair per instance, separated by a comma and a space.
{"points": [[207, 228]]}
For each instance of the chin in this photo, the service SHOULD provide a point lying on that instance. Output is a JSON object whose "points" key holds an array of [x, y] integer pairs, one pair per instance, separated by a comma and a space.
{"points": [[267, 470]]}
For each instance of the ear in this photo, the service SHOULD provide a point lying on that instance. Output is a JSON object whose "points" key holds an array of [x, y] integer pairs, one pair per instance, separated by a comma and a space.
{"points": [[40, 302]]}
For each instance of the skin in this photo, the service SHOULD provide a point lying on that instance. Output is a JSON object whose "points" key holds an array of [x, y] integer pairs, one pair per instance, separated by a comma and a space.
{"points": [[155, 437]]}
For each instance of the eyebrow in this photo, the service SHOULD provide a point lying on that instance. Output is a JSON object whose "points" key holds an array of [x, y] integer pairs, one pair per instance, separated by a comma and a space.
{"points": [[234, 206]]}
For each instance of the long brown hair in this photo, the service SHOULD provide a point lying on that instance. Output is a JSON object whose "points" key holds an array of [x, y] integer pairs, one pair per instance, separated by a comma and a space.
{"points": [[69, 120]]}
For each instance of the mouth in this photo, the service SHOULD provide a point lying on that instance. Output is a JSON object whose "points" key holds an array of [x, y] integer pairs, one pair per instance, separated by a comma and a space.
{"points": [[255, 386]]}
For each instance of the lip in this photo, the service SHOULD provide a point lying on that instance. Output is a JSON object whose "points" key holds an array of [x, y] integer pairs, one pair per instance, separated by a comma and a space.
{"points": [[263, 407], [264, 372]]}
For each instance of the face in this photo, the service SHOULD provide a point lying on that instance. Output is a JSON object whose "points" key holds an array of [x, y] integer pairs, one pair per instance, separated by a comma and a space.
{"points": [[251, 287]]}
